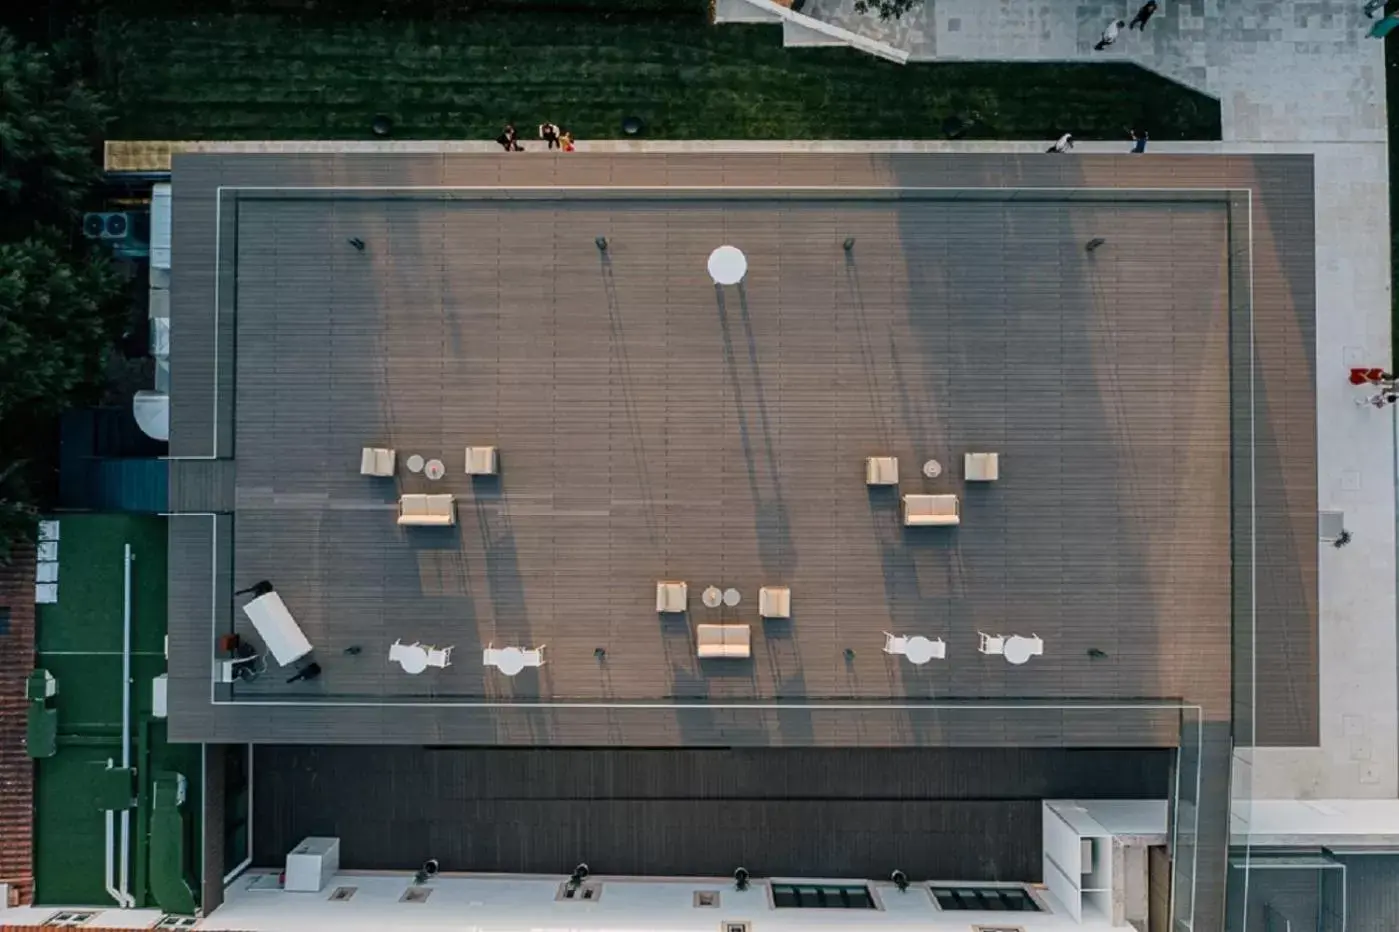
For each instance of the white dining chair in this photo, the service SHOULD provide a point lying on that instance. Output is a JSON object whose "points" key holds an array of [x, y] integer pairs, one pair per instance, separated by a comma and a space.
{"points": [[1036, 645], [992, 644], [939, 649], [439, 657], [399, 650], [895, 644], [490, 657], [534, 657]]}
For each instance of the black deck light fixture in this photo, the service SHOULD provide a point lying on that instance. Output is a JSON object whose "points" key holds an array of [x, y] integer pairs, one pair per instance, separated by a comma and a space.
{"points": [[741, 878], [900, 880]]}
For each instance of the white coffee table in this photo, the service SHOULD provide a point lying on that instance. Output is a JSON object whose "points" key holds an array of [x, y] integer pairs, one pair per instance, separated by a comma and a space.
{"points": [[712, 597], [727, 265], [434, 469], [415, 463], [510, 660], [1018, 649], [412, 658], [732, 597], [919, 650]]}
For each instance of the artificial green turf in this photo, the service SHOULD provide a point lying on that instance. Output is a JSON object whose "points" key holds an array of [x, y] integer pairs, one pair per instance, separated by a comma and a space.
{"points": [[280, 77], [69, 833], [88, 614], [80, 644]]}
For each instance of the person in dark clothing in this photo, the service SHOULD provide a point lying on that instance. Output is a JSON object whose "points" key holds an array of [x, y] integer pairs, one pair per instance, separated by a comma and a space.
{"points": [[356, 242], [1139, 138], [308, 672], [549, 132], [508, 140], [1143, 14], [258, 589]]}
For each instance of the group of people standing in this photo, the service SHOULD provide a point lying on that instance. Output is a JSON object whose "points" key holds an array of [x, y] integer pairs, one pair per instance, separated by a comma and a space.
{"points": [[554, 138], [1114, 27]]}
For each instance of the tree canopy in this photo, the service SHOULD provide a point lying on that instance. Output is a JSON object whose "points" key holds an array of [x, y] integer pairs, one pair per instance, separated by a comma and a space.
{"points": [[58, 311]]}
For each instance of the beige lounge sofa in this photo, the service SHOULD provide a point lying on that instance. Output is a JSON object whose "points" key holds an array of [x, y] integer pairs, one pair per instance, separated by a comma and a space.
{"points": [[931, 510], [775, 602], [733, 641], [881, 470], [437, 510], [482, 461], [982, 467], [376, 461]]}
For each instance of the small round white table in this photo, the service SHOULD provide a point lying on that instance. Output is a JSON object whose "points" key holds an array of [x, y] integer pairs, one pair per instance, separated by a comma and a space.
{"points": [[413, 659], [415, 463], [731, 597], [918, 650], [434, 469], [711, 597], [1017, 649], [510, 661], [932, 469], [727, 265]]}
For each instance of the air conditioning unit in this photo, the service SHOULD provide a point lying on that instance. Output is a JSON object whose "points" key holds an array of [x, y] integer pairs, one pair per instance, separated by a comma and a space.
{"points": [[109, 226]]}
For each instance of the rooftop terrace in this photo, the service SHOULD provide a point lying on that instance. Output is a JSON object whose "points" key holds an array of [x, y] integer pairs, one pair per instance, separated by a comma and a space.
{"points": [[653, 427]]}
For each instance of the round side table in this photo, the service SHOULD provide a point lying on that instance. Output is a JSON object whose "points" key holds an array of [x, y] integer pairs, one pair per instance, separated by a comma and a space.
{"points": [[731, 597], [415, 463], [932, 469], [434, 469], [711, 597]]}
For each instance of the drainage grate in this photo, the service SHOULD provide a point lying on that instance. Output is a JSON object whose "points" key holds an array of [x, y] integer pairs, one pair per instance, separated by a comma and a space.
{"points": [[340, 894], [415, 894], [1330, 524], [707, 898], [70, 917], [998, 929], [176, 922], [732, 925]]}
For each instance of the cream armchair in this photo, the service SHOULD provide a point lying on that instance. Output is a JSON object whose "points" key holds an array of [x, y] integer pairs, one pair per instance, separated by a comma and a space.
{"points": [[881, 470], [376, 461]]}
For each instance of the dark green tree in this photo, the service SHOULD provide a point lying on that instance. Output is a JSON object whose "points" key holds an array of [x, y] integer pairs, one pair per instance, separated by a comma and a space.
{"points": [[57, 323], [59, 315], [50, 125]]}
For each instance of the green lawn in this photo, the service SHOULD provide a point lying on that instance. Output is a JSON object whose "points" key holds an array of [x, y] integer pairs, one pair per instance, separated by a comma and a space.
{"points": [[279, 77]]}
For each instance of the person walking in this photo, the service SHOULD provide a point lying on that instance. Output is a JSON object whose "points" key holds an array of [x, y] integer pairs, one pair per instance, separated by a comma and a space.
{"points": [[1139, 138], [1063, 144], [1109, 35], [549, 132], [1145, 13]]}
